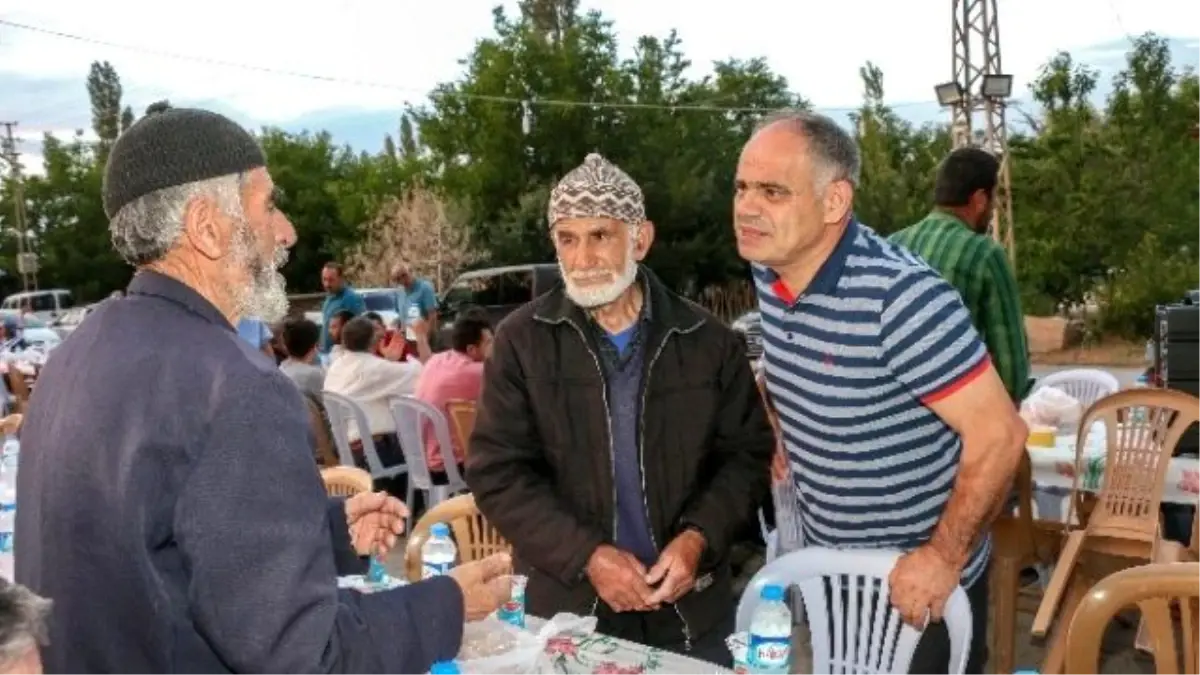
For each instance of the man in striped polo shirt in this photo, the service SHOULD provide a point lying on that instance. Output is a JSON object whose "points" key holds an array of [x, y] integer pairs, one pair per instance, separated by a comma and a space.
{"points": [[899, 432], [953, 240]]}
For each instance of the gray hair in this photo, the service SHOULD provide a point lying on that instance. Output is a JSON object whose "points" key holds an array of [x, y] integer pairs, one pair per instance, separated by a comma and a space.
{"points": [[23, 617], [145, 229], [834, 152]]}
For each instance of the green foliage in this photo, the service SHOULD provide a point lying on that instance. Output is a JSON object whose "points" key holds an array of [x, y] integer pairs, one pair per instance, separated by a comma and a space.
{"points": [[1105, 198]]}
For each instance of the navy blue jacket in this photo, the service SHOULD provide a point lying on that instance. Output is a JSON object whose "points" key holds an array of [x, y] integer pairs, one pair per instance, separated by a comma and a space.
{"points": [[169, 505]]}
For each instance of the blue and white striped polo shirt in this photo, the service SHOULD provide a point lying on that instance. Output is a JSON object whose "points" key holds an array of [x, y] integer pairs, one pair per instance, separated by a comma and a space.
{"points": [[850, 366]]}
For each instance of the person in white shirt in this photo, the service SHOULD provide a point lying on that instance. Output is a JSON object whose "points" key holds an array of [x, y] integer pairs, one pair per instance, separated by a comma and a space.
{"points": [[372, 382]]}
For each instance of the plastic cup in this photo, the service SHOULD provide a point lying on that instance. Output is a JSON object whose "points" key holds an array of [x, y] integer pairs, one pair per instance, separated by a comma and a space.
{"points": [[739, 644], [513, 611]]}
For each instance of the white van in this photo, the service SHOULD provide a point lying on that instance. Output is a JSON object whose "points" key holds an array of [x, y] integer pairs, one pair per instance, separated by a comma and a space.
{"points": [[46, 305]]}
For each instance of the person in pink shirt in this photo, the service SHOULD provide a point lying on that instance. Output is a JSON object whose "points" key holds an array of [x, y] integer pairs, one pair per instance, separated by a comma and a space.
{"points": [[452, 375]]}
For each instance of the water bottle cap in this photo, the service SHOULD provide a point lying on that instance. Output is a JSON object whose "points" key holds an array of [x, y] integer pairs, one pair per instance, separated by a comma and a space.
{"points": [[444, 668], [440, 530], [772, 593]]}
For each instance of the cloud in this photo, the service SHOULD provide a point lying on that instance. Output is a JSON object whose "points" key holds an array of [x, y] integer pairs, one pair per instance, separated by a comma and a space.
{"points": [[409, 47]]}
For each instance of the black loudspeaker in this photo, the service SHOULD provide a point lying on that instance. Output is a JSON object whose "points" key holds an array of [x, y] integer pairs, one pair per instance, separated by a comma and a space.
{"points": [[1177, 359]]}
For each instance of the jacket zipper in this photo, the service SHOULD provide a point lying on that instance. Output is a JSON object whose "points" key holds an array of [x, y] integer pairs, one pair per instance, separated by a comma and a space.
{"points": [[687, 631], [612, 460]]}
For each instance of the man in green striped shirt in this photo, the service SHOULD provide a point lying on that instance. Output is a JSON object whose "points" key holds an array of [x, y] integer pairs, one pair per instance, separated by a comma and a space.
{"points": [[953, 239]]}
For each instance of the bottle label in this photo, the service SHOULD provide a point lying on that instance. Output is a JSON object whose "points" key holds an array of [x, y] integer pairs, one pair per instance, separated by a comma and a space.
{"points": [[430, 570], [769, 654]]}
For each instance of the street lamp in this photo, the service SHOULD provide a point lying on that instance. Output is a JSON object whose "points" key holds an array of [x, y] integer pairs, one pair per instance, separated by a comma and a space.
{"points": [[996, 86], [948, 93]]}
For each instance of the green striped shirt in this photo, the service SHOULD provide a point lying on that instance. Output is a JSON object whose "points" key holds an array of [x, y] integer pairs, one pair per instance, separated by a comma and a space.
{"points": [[978, 267]]}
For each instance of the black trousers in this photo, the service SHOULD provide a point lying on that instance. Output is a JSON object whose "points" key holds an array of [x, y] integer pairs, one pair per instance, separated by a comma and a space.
{"points": [[664, 629]]}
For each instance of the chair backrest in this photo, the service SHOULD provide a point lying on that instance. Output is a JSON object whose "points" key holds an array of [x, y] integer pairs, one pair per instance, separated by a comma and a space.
{"points": [[1086, 385], [346, 481], [326, 455], [1142, 428], [461, 413], [846, 592], [1153, 588], [11, 424], [342, 412], [410, 415], [473, 535]]}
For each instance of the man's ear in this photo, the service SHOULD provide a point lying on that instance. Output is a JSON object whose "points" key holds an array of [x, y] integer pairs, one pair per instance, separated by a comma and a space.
{"points": [[839, 197], [642, 240], [205, 229]]}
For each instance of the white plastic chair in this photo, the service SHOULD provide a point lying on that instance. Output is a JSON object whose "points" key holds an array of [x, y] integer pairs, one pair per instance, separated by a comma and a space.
{"points": [[410, 414], [1086, 385], [868, 635], [342, 411]]}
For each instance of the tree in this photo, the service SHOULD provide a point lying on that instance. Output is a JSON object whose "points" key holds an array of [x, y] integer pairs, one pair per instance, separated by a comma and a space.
{"points": [[104, 91], [419, 227], [501, 157]]}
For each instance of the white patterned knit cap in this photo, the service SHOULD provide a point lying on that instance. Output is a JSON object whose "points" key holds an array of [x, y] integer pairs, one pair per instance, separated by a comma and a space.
{"points": [[597, 189]]}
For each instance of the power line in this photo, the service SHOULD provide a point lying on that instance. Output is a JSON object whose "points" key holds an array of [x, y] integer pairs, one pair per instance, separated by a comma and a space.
{"points": [[528, 101]]}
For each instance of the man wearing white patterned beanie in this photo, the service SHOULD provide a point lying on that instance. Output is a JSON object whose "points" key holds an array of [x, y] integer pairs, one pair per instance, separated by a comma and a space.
{"points": [[620, 442]]}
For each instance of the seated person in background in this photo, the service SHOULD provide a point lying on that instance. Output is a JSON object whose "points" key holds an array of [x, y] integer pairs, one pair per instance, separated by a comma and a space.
{"points": [[336, 323], [454, 374], [23, 617], [300, 339], [372, 383], [392, 345]]}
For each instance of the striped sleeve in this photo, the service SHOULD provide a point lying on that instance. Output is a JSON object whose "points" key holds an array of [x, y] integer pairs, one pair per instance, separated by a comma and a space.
{"points": [[927, 339]]}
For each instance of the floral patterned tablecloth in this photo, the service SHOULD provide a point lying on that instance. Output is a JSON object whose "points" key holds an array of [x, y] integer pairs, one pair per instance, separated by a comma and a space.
{"points": [[580, 653], [1055, 468], [597, 653]]}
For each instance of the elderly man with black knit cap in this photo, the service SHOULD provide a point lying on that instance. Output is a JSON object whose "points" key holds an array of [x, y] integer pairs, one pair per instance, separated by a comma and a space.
{"points": [[621, 442], [169, 504]]}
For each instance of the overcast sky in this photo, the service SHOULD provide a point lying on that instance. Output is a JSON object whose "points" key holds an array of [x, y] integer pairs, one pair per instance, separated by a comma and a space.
{"points": [[410, 46]]}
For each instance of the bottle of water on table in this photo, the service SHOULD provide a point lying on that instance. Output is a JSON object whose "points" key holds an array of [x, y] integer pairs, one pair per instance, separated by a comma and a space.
{"points": [[8, 518], [770, 642], [438, 552]]}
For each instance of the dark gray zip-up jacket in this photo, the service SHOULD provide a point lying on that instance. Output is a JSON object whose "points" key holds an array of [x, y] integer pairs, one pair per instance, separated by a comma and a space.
{"points": [[541, 457]]}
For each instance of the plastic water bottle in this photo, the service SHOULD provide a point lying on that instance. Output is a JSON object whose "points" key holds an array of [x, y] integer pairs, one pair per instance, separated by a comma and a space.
{"points": [[413, 315], [9, 456], [438, 552], [444, 668], [8, 508], [770, 648]]}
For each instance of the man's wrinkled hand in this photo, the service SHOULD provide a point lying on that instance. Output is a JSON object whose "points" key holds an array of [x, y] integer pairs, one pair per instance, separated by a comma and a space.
{"points": [[921, 583], [620, 579], [375, 519], [675, 571], [486, 584]]}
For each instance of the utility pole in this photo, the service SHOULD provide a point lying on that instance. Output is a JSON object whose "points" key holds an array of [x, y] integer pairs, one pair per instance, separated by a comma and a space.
{"points": [[981, 86], [26, 265]]}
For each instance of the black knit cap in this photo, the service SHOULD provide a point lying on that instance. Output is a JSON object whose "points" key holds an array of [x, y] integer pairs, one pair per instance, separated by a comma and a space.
{"points": [[175, 146]]}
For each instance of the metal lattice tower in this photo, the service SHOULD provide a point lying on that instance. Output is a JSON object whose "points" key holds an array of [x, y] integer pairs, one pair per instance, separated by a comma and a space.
{"points": [[976, 56]]}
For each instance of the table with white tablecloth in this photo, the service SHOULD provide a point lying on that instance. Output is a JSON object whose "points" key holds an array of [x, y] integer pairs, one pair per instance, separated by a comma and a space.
{"points": [[587, 653], [1054, 472]]}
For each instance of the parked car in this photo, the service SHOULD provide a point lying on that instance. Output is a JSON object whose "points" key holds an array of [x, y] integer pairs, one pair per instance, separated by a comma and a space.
{"points": [[497, 290], [69, 320], [46, 304], [750, 326]]}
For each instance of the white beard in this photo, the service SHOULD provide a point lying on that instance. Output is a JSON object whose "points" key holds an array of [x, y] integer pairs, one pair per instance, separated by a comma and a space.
{"points": [[265, 297], [591, 297]]}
